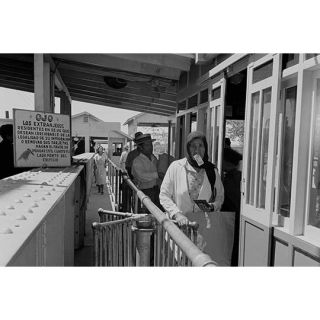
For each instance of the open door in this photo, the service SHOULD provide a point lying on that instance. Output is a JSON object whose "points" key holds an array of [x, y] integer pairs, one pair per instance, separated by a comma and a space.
{"points": [[259, 160], [217, 121]]}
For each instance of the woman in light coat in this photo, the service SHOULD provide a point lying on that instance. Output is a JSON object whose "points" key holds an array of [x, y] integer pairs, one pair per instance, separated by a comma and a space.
{"points": [[100, 164], [192, 178]]}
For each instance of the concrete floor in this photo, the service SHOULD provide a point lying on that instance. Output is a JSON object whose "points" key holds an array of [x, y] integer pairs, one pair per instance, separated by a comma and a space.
{"points": [[84, 257]]}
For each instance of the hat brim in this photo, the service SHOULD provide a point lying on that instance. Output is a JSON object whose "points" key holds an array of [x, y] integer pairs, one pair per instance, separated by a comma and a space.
{"points": [[141, 142]]}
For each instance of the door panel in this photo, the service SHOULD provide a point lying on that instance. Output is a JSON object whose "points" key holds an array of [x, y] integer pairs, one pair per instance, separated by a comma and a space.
{"points": [[217, 120], [259, 161]]}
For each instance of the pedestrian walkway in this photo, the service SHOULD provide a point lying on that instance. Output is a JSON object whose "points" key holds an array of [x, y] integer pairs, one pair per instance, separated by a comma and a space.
{"points": [[84, 256]]}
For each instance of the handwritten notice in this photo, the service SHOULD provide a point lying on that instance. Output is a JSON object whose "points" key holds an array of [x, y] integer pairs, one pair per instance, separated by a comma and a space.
{"points": [[41, 139]]}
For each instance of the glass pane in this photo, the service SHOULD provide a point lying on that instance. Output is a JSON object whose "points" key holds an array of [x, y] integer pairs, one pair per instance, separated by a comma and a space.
{"points": [[182, 105], [193, 122], [289, 60], [218, 115], [288, 128], [262, 72], [251, 165], [311, 55], [216, 93], [215, 116], [263, 161], [204, 94], [314, 209], [181, 136], [205, 123], [193, 101], [235, 132]]}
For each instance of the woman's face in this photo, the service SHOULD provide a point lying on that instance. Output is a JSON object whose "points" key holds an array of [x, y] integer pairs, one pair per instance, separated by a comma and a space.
{"points": [[197, 147], [100, 150]]}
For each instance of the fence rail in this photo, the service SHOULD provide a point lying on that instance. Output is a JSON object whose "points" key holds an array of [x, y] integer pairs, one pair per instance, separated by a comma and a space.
{"points": [[127, 234]]}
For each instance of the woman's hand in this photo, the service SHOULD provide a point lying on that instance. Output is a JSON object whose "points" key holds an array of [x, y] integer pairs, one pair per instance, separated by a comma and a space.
{"points": [[181, 219]]}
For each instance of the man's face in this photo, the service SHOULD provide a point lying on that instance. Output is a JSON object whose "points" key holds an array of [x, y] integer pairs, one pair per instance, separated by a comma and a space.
{"points": [[147, 148]]}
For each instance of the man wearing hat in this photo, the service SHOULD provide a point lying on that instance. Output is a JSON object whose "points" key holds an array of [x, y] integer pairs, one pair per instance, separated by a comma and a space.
{"points": [[144, 168], [132, 155]]}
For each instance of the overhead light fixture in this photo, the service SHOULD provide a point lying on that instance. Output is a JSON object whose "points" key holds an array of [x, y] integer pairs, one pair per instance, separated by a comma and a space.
{"points": [[115, 83]]}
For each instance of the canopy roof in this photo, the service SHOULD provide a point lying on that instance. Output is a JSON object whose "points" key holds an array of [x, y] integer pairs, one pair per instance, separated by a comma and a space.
{"points": [[138, 82]]}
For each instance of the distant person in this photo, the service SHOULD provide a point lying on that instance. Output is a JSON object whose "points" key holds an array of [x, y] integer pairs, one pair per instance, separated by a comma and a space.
{"points": [[144, 168], [123, 158], [132, 155], [100, 164], [232, 195], [7, 168], [227, 143], [164, 161]]}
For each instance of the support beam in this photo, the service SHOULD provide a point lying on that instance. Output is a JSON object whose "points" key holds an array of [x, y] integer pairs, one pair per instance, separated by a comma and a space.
{"points": [[65, 105], [58, 79], [42, 84]]}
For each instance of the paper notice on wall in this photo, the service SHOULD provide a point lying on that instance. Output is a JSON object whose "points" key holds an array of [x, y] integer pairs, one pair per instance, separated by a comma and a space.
{"points": [[41, 139]]}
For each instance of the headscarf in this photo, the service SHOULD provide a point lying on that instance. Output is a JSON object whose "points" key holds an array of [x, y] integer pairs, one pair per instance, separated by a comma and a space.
{"points": [[207, 165]]}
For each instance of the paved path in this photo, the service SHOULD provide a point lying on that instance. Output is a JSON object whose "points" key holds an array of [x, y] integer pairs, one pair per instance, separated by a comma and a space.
{"points": [[84, 256]]}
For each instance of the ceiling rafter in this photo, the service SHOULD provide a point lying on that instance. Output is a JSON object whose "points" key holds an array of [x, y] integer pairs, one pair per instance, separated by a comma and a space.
{"points": [[119, 105], [108, 61], [121, 100], [121, 95], [151, 78], [94, 74], [129, 92]]}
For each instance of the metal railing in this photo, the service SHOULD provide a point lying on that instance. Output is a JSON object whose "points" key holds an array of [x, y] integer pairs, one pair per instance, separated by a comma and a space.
{"points": [[119, 235], [170, 246], [114, 241]]}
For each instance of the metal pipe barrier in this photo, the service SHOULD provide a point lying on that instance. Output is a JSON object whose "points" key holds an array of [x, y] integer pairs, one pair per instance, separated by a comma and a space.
{"points": [[171, 246], [106, 235]]}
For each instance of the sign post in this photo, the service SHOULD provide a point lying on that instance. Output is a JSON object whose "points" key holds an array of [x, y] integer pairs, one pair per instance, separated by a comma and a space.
{"points": [[41, 139]]}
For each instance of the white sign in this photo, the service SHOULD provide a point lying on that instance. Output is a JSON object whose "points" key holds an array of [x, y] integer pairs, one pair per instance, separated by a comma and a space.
{"points": [[41, 139]]}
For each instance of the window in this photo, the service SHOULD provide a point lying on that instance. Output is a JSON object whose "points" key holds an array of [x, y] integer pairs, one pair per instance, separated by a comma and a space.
{"points": [[216, 93], [116, 149], [264, 147], [214, 133], [193, 101], [311, 55], [288, 129], [193, 121], [204, 96], [252, 146], [289, 60], [182, 105], [262, 72], [314, 201], [85, 118]]}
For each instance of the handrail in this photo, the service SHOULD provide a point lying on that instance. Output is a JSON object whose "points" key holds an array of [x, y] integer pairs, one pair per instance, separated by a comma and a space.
{"points": [[197, 257]]}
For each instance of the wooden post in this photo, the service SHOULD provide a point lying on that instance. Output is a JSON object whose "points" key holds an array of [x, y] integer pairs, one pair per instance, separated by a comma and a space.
{"points": [[42, 84]]}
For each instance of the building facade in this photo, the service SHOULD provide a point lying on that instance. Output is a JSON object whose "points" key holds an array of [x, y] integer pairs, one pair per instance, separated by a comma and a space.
{"points": [[275, 101], [88, 131]]}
